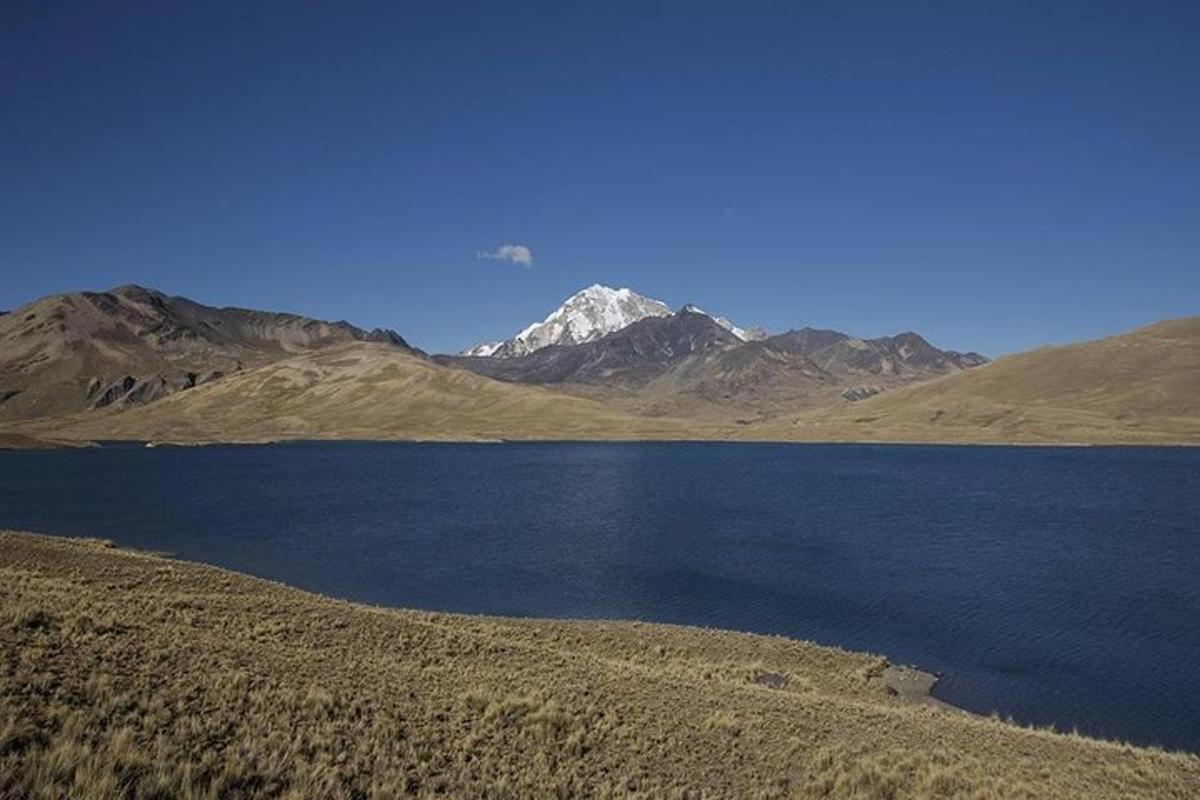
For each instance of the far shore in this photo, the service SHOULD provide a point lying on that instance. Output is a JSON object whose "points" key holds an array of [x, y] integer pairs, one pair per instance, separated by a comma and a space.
{"points": [[24, 441]]}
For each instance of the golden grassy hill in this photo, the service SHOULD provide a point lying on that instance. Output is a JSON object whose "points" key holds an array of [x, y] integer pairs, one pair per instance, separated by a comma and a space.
{"points": [[359, 391], [1138, 387], [126, 674]]}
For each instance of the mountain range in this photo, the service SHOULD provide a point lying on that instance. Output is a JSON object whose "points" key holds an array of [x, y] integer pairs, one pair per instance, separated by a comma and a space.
{"points": [[677, 360], [135, 363]]}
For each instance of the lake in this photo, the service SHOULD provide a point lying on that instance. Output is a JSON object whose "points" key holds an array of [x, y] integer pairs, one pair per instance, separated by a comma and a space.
{"points": [[1055, 585]]}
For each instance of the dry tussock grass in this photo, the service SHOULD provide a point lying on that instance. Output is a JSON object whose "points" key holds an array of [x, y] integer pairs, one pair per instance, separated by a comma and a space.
{"points": [[127, 675]]}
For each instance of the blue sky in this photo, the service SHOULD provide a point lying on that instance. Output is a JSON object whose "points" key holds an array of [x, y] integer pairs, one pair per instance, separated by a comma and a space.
{"points": [[996, 176]]}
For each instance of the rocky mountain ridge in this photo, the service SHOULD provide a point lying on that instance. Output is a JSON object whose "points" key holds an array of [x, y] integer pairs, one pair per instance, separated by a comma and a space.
{"points": [[691, 352], [132, 345]]}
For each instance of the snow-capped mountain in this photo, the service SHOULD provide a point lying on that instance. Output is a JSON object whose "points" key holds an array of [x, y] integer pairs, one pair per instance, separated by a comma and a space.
{"points": [[586, 316]]}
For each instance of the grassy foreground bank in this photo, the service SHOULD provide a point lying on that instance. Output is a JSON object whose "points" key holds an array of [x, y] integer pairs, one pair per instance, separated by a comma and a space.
{"points": [[126, 674]]}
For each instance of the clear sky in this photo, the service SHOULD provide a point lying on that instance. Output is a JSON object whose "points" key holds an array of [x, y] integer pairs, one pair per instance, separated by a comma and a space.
{"points": [[993, 175]]}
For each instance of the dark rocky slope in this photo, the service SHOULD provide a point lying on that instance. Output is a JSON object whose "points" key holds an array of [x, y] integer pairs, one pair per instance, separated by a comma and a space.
{"points": [[689, 354]]}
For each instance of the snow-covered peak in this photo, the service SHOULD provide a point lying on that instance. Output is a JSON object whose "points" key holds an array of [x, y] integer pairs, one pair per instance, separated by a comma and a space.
{"points": [[483, 349], [589, 314], [745, 334], [584, 316]]}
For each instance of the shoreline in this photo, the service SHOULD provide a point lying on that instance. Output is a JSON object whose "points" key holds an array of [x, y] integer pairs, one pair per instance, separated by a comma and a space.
{"points": [[907, 682], [160, 661], [22, 441], [916, 685]]}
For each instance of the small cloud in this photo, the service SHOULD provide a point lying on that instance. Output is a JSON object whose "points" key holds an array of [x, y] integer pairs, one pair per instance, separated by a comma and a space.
{"points": [[513, 253]]}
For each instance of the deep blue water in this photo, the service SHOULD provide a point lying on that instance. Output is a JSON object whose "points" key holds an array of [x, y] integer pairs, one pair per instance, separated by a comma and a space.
{"points": [[1050, 584]]}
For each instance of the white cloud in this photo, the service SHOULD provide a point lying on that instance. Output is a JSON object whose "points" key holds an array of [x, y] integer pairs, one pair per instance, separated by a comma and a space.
{"points": [[513, 253]]}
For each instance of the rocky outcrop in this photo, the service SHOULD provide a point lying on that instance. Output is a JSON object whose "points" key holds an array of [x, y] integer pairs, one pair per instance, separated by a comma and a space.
{"points": [[855, 393]]}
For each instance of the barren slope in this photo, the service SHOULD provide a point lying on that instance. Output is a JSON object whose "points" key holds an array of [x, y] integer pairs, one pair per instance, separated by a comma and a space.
{"points": [[1142, 386], [359, 391], [131, 345]]}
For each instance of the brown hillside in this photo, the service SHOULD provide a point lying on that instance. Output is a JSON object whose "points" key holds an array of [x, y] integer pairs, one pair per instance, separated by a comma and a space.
{"points": [[360, 391], [131, 345], [1142, 386]]}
